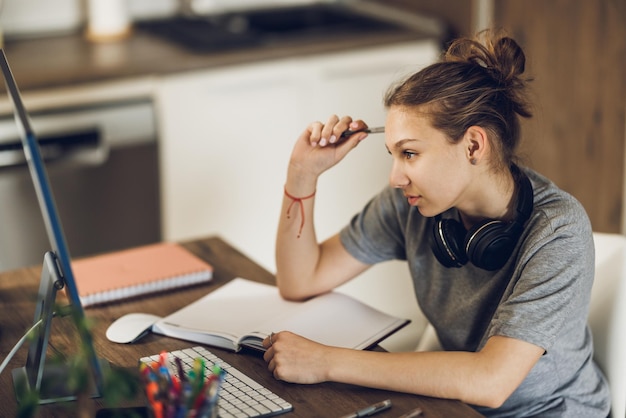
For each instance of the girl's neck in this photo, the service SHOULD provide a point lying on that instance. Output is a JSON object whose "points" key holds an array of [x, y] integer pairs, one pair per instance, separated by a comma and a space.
{"points": [[496, 199]]}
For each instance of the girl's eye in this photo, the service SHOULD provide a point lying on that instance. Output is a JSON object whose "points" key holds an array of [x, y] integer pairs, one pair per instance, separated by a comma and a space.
{"points": [[409, 154]]}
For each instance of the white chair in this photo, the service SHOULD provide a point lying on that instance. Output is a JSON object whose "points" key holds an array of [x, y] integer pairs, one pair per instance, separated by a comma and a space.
{"points": [[607, 316], [428, 341]]}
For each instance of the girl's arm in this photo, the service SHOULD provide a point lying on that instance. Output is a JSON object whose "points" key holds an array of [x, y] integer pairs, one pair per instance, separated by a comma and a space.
{"points": [[304, 267], [485, 378]]}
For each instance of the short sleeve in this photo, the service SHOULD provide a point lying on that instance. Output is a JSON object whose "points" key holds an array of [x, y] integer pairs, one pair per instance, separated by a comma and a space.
{"points": [[551, 295], [376, 234]]}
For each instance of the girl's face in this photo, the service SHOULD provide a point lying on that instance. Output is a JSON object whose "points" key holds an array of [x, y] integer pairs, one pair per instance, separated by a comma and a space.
{"points": [[431, 170]]}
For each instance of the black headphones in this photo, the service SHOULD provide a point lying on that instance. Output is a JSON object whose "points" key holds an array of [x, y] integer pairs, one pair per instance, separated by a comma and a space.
{"points": [[488, 244]]}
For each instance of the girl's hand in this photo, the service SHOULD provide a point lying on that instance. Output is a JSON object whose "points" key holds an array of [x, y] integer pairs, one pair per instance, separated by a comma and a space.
{"points": [[295, 359], [320, 146]]}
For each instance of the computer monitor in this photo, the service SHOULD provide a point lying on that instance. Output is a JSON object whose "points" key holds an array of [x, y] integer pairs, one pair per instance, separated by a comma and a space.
{"points": [[56, 273]]}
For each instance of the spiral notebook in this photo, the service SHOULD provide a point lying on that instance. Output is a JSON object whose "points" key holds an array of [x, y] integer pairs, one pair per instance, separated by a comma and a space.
{"points": [[137, 271]]}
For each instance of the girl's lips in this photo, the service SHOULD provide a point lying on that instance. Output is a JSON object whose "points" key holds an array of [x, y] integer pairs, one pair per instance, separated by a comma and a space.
{"points": [[412, 200]]}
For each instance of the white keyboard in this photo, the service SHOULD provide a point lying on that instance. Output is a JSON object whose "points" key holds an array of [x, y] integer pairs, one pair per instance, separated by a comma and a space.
{"points": [[240, 396]]}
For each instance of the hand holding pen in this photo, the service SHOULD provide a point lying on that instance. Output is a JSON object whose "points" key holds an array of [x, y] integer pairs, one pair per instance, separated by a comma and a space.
{"points": [[336, 130]]}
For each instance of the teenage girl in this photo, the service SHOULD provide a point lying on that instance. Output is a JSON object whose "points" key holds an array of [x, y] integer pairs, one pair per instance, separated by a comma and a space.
{"points": [[502, 260]]}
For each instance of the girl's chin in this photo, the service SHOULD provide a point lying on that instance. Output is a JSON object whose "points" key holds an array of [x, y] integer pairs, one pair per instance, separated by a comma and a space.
{"points": [[426, 211]]}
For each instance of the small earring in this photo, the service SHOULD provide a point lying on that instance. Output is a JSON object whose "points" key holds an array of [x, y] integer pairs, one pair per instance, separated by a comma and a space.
{"points": [[473, 161]]}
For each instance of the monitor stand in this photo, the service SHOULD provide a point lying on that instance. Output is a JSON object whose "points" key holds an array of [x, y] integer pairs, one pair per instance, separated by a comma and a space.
{"points": [[48, 380]]}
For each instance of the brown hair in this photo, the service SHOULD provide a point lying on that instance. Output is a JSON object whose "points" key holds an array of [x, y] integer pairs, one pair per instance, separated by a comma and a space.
{"points": [[477, 83]]}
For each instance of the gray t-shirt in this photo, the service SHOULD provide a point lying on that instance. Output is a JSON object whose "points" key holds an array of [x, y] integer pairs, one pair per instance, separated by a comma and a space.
{"points": [[541, 295]]}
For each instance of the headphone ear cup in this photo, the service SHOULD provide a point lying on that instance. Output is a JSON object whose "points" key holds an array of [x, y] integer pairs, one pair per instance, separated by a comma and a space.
{"points": [[447, 242], [489, 244]]}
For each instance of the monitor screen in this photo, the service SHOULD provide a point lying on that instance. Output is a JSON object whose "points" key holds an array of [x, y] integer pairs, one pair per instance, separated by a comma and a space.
{"points": [[49, 212]]}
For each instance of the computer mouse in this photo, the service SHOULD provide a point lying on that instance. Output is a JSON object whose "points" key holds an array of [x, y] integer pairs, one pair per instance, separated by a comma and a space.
{"points": [[130, 327]]}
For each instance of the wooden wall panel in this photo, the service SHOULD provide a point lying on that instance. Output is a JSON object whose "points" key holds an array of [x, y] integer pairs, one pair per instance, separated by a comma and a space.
{"points": [[576, 52]]}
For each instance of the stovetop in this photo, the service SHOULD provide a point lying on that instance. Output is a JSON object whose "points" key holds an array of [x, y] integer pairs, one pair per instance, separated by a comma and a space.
{"points": [[264, 27]]}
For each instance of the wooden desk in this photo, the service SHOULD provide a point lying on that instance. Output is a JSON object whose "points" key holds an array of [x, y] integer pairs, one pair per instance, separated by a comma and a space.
{"points": [[18, 291]]}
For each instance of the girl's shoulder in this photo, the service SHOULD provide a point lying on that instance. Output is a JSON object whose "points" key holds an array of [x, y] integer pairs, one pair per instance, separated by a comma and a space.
{"points": [[557, 215]]}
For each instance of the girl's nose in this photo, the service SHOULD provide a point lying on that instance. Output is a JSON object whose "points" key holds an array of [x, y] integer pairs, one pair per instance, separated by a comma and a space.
{"points": [[397, 178]]}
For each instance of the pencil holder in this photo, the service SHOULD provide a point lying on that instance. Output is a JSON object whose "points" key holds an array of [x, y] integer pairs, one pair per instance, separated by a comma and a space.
{"points": [[210, 412], [183, 394]]}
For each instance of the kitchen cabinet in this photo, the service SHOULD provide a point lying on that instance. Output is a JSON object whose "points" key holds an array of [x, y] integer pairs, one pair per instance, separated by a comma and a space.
{"points": [[226, 135]]}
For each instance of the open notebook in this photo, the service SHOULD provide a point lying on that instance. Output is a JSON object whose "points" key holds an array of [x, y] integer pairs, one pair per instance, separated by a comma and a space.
{"points": [[243, 312]]}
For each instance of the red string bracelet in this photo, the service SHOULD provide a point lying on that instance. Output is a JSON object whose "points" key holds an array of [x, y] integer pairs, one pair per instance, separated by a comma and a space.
{"points": [[298, 200]]}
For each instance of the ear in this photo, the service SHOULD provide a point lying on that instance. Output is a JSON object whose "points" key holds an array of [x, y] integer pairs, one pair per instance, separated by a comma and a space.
{"points": [[476, 144]]}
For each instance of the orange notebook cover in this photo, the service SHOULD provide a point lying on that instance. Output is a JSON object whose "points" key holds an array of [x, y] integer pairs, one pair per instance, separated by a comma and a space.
{"points": [[137, 271]]}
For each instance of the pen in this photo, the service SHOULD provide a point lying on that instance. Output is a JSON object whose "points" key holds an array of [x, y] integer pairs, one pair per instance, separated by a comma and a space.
{"points": [[179, 367], [198, 366], [377, 130], [412, 414], [370, 410]]}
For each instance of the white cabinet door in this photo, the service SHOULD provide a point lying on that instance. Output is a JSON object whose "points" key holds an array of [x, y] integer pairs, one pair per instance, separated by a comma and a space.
{"points": [[225, 139]]}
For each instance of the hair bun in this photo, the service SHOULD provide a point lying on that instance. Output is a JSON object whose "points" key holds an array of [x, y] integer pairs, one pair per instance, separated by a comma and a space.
{"points": [[510, 61], [500, 55]]}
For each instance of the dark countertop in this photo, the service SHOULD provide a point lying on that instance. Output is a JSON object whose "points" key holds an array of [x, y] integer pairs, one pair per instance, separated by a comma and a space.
{"points": [[72, 60]]}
